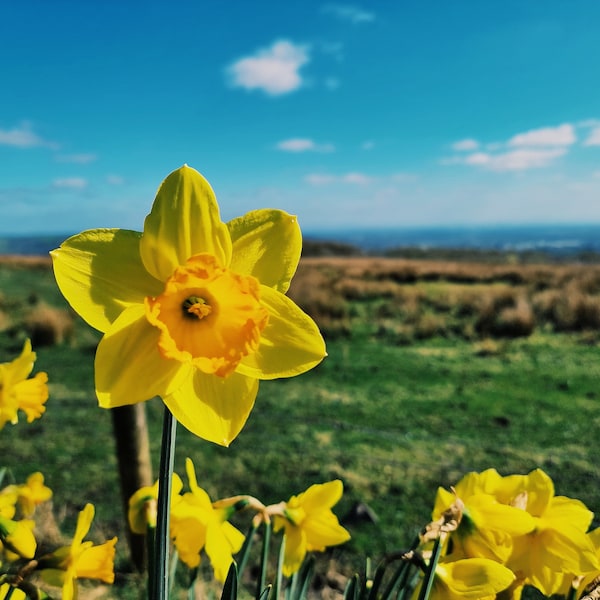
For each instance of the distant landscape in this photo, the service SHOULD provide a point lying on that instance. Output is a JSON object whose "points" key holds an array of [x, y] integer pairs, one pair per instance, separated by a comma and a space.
{"points": [[441, 360], [527, 243]]}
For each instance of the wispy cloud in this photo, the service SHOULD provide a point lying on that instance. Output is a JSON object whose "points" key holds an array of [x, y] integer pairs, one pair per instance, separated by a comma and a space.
{"points": [[531, 149], [274, 70], [353, 178], [72, 183], [115, 179], [593, 138], [347, 12], [516, 160], [563, 135], [23, 136], [465, 145], [304, 145], [82, 158]]}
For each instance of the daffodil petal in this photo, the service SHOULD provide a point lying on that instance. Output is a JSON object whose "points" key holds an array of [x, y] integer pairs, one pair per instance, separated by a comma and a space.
{"points": [[129, 367], [290, 344], [322, 495], [295, 549], [184, 221], [475, 577], [19, 368], [100, 273], [84, 522], [214, 408], [322, 530], [267, 244], [218, 550]]}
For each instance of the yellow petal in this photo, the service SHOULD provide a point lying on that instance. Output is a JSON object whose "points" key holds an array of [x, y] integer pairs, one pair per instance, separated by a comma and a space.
{"points": [[321, 495], [84, 522], [97, 562], [31, 396], [129, 367], [212, 407], [20, 368], [323, 530], [290, 344], [474, 577], [267, 244], [218, 550], [295, 549], [184, 221], [235, 538], [100, 273]]}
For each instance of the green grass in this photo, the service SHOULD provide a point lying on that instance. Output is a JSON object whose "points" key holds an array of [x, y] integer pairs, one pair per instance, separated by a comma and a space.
{"points": [[392, 421]]}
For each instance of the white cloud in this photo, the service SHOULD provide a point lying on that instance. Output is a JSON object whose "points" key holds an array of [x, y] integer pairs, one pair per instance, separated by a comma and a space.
{"points": [[465, 145], [356, 178], [515, 160], [318, 179], [346, 12], [23, 136], [368, 145], [563, 135], [304, 145], [274, 70], [593, 138], [115, 179], [82, 159], [72, 183]]}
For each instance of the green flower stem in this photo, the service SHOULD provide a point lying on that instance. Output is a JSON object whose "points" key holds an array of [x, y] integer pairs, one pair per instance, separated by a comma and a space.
{"points": [[159, 589], [430, 573], [264, 563]]}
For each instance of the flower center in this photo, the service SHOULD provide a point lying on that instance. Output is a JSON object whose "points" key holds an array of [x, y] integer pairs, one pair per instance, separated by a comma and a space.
{"points": [[208, 316], [194, 306]]}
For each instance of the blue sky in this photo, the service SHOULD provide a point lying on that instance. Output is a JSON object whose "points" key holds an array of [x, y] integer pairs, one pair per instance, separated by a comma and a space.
{"points": [[382, 113]]}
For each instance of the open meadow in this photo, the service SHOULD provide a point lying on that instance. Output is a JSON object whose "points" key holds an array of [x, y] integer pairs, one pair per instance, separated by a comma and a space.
{"points": [[434, 369]]}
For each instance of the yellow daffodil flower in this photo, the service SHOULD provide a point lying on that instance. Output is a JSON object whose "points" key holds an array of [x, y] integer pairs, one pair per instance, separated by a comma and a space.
{"points": [[487, 527], [8, 501], [559, 543], [32, 492], [17, 392], [197, 525], [193, 310], [14, 593], [17, 537], [80, 560], [142, 505], [310, 524], [471, 578]]}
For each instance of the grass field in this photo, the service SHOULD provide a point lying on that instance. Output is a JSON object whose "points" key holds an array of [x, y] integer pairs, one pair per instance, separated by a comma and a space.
{"points": [[434, 370]]}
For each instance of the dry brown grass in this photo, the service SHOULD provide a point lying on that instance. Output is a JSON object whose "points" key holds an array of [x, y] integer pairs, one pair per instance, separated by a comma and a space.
{"points": [[421, 298], [47, 326]]}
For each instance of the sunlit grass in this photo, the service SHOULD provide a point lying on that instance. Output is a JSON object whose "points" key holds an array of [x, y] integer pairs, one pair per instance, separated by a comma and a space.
{"points": [[392, 420]]}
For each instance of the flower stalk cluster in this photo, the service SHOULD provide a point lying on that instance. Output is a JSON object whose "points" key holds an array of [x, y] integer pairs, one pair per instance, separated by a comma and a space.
{"points": [[200, 526]]}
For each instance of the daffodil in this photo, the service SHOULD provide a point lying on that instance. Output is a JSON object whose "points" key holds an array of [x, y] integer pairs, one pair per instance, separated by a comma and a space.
{"points": [[17, 392], [142, 505], [9, 591], [559, 543], [471, 578], [32, 492], [192, 309], [197, 525], [17, 537], [310, 524], [486, 527], [80, 560], [8, 501]]}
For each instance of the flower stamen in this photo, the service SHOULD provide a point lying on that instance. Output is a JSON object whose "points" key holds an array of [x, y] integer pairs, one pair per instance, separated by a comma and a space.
{"points": [[195, 306]]}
